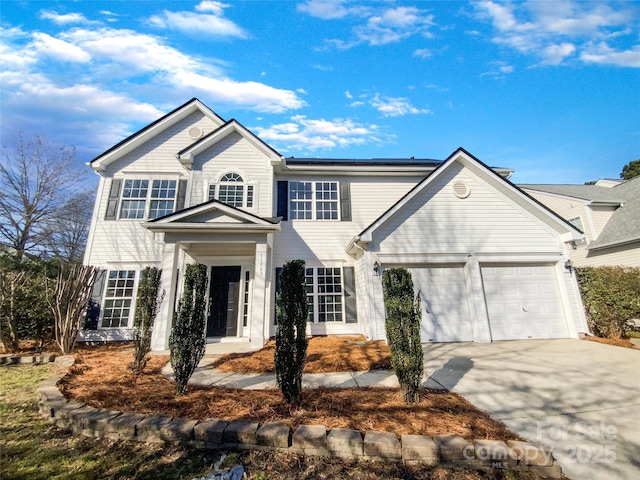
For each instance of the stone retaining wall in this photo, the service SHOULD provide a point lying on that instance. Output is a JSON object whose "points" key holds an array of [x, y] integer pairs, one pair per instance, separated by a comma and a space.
{"points": [[26, 359], [306, 439]]}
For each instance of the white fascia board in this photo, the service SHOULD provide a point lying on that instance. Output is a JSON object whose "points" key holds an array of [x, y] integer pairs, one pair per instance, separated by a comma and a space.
{"points": [[225, 209], [210, 227]]}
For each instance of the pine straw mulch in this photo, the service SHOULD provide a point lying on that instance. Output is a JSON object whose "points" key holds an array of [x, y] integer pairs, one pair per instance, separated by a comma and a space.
{"points": [[618, 342], [324, 354], [101, 379]]}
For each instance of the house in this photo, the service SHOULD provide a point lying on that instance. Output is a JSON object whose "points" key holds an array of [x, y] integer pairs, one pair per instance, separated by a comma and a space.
{"points": [[488, 260], [608, 213]]}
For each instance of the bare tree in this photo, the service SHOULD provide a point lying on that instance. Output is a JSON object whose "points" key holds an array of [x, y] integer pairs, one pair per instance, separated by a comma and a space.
{"points": [[36, 181], [69, 301], [10, 282], [65, 236]]}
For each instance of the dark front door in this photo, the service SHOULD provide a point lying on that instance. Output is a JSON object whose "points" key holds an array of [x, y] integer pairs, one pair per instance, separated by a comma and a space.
{"points": [[224, 292]]}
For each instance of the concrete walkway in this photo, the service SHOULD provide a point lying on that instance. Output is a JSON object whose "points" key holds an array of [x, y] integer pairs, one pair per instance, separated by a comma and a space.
{"points": [[580, 398]]}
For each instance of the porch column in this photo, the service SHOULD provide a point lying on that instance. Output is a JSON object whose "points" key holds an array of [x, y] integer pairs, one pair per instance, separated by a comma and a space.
{"points": [[259, 317], [162, 325]]}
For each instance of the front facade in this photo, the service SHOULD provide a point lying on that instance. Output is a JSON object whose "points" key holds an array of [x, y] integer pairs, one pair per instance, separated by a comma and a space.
{"points": [[488, 260]]}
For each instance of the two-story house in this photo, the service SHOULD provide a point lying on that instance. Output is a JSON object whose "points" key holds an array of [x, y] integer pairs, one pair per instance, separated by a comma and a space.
{"points": [[490, 262], [608, 213]]}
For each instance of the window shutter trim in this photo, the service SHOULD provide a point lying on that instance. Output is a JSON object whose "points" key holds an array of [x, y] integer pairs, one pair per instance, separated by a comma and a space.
{"points": [[114, 197], [282, 200], [182, 193], [350, 302], [345, 201]]}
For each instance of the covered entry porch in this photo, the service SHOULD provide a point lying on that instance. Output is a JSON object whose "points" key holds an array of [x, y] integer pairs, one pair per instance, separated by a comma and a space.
{"points": [[237, 249]]}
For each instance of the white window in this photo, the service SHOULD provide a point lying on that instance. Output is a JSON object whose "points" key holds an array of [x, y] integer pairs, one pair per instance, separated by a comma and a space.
{"points": [[118, 299], [137, 197], [324, 294], [313, 200], [232, 190], [576, 222]]}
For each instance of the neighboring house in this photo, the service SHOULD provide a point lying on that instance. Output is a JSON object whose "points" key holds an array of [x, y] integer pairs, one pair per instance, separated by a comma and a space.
{"points": [[489, 261], [608, 213]]}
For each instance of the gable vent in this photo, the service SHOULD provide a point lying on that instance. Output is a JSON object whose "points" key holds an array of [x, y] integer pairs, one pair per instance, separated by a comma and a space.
{"points": [[195, 132], [461, 189]]}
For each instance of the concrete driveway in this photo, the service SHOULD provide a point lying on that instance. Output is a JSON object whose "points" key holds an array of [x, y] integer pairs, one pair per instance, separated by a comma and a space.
{"points": [[580, 398]]}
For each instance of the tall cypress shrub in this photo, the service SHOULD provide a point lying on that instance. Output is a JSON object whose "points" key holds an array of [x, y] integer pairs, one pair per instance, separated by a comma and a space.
{"points": [[403, 331], [187, 339], [148, 301], [291, 336]]}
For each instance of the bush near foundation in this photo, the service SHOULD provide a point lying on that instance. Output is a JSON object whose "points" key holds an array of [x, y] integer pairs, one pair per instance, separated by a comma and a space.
{"points": [[611, 297]]}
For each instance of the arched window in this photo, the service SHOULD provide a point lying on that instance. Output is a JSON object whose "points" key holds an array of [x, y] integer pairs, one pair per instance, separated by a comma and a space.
{"points": [[232, 190]]}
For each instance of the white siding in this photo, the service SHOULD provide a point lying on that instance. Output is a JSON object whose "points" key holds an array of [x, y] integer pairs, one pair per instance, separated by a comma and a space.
{"points": [[623, 255], [234, 154], [600, 215], [436, 221]]}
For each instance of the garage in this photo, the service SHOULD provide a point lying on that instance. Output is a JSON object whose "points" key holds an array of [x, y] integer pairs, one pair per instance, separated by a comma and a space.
{"points": [[445, 306], [523, 301]]}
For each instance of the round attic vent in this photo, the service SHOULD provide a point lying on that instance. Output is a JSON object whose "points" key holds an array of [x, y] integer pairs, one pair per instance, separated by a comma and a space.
{"points": [[195, 132], [461, 189]]}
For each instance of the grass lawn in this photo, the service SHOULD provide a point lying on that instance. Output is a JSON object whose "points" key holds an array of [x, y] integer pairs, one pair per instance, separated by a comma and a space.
{"points": [[33, 449]]}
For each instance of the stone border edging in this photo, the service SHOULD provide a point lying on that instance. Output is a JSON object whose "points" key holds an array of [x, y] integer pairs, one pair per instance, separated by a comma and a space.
{"points": [[448, 450], [27, 359]]}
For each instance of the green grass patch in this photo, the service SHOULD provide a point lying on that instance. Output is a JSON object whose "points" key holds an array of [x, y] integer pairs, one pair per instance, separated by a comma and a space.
{"points": [[33, 449]]}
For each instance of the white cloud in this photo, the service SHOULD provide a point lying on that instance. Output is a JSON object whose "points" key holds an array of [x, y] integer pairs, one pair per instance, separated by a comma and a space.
{"points": [[348, 94], [63, 19], [304, 134], [555, 31], [211, 24], [382, 25], [395, 107], [500, 71], [422, 53], [59, 49], [604, 55]]}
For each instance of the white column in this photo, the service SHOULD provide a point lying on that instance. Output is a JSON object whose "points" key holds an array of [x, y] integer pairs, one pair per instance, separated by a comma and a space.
{"points": [[259, 315], [162, 325]]}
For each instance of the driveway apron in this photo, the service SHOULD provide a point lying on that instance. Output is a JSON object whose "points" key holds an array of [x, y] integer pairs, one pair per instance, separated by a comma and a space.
{"points": [[580, 398]]}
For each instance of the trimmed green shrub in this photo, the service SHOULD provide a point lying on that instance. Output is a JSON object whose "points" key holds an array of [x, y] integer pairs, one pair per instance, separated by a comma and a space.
{"points": [[403, 331], [291, 337], [187, 340], [611, 296], [148, 301]]}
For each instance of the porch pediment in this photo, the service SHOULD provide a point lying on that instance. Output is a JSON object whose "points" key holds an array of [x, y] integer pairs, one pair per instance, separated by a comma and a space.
{"points": [[212, 216]]}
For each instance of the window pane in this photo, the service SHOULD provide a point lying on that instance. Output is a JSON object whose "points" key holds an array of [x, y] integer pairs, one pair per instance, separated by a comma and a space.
{"points": [[119, 295], [160, 208], [326, 200], [329, 295], [249, 196], [231, 194], [231, 177], [309, 282], [300, 200]]}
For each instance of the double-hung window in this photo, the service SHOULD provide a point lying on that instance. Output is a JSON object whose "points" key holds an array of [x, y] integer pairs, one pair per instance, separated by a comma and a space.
{"points": [[324, 294], [139, 201], [313, 200], [232, 190], [118, 299]]}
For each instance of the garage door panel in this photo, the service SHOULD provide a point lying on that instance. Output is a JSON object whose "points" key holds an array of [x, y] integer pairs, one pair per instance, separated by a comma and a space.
{"points": [[445, 307], [523, 302]]}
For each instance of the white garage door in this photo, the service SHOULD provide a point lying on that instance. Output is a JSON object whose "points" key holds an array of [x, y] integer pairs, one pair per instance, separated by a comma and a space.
{"points": [[445, 307], [523, 302]]}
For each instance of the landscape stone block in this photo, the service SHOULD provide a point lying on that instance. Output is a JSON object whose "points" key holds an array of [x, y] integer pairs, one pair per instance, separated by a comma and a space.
{"points": [[554, 471], [419, 449], [178, 430], [241, 431], [210, 432], [343, 442], [382, 445], [492, 452], [148, 429], [310, 440], [531, 454], [454, 448], [27, 359], [123, 426], [273, 435]]}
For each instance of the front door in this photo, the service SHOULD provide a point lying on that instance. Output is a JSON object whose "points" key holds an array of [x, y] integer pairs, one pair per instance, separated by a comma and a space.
{"points": [[224, 292]]}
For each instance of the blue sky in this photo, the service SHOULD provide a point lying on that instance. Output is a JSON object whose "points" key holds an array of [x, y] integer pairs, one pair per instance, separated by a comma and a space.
{"points": [[549, 88]]}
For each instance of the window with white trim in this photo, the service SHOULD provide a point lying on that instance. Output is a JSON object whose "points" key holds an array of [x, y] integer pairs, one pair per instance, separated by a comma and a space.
{"points": [[313, 200], [232, 190], [118, 303], [324, 294], [137, 197], [576, 222]]}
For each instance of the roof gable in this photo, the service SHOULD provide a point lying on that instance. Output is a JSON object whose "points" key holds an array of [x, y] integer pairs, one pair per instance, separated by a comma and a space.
{"points": [[141, 136], [187, 155], [557, 223]]}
